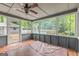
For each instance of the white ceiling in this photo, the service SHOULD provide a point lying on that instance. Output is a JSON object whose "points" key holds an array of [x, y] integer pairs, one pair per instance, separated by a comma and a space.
{"points": [[45, 9]]}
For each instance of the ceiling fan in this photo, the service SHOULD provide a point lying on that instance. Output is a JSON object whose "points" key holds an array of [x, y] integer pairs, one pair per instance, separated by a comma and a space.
{"points": [[27, 8]]}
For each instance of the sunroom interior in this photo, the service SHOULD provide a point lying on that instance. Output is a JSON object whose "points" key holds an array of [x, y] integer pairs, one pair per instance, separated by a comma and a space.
{"points": [[49, 29]]}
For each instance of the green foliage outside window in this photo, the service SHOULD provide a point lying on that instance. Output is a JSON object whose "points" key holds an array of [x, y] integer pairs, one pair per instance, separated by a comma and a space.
{"points": [[72, 24], [26, 25], [1, 19], [47, 23], [66, 24], [62, 25]]}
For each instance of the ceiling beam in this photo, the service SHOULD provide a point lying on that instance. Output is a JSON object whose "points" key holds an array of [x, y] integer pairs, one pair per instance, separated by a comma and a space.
{"points": [[5, 5], [7, 14], [10, 7], [25, 13], [11, 15], [57, 14], [43, 10]]}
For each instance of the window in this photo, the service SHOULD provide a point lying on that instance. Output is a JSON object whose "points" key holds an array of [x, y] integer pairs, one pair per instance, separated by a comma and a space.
{"points": [[73, 24], [25, 27], [35, 27], [48, 26], [61, 21], [66, 24], [42, 26], [3, 25], [60, 25]]}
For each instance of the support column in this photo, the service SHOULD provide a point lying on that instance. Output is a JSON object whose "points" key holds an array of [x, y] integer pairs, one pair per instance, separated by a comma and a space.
{"points": [[77, 27], [77, 23]]}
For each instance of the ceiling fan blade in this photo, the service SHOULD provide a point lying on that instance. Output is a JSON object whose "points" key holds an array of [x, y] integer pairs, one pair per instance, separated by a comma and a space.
{"points": [[33, 11], [34, 5], [27, 7]]}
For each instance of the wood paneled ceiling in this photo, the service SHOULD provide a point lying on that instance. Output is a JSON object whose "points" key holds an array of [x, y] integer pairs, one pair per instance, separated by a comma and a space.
{"points": [[44, 9]]}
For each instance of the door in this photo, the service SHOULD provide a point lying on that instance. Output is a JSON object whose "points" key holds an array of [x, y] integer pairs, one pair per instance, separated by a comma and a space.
{"points": [[13, 30]]}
